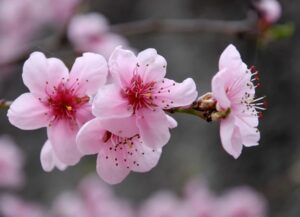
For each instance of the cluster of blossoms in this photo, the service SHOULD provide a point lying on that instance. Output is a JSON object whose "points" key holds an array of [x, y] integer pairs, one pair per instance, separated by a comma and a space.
{"points": [[21, 20], [92, 198], [91, 33], [123, 119]]}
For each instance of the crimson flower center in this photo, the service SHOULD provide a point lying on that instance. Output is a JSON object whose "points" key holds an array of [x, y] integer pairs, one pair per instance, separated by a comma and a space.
{"points": [[64, 102], [139, 94]]}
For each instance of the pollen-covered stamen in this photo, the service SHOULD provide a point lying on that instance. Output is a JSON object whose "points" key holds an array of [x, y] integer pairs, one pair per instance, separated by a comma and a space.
{"points": [[139, 94], [64, 103]]}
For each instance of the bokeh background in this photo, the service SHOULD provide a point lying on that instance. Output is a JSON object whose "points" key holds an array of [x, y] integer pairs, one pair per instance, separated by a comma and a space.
{"points": [[272, 168]]}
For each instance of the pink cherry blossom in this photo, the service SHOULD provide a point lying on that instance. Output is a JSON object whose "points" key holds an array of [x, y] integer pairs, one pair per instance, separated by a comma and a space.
{"points": [[234, 90], [241, 202], [58, 100], [199, 201], [69, 204], [90, 32], [18, 21], [61, 11], [99, 200], [161, 204], [270, 10], [134, 103], [12, 206], [11, 163], [117, 155]]}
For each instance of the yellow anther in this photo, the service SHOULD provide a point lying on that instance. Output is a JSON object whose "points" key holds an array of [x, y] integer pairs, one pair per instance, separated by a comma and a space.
{"points": [[69, 108], [148, 94]]}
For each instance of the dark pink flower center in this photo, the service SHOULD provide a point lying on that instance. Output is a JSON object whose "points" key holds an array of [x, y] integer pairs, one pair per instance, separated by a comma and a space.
{"points": [[64, 102], [139, 94]]}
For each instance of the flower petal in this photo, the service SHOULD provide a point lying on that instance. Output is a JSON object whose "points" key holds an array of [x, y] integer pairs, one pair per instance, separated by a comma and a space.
{"points": [[109, 103], [172, 122], [123, 127], [122, 64], [230, 137], [49, 160], [28, 113], [169, 93], [154, 127], [46, 157], [250, 135], [231, 59], [84, 114], [41, 74], [90, 72], [219, 86], [90, 136], [62, 137], [142, 158], [152, 67], [108, 169]]}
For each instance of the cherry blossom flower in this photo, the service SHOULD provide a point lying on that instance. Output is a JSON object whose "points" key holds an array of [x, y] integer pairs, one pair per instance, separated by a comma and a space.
{"points": [[199, 201], [12, 206], [91, 199], [270, 10], [58, 100], [241, 202], [117, 155], [61, 11], [11, 163], [69, 204], [90, 32], [134, 103], [234, 91], [162, 203], [18, 22]]}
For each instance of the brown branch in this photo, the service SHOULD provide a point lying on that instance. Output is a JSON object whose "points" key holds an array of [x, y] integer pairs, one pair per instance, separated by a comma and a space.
{"points": [[246, 26], [204, 107]]}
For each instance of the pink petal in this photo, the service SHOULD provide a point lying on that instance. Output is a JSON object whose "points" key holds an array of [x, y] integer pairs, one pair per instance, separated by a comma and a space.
{"points": [[90, 71], [122, 64], [46, 157], [90, 137], [219, 86], [28, 113], [246, 114], [231, 59], [230, 137], [170, 94], [123, 127], [250, 135], [172, 122], [49, 160], [142, 158], [62, 137], [108, 43], [84, 114], [108, 169], [152, 67], [109, 103], [41, 74], [154, 127]]}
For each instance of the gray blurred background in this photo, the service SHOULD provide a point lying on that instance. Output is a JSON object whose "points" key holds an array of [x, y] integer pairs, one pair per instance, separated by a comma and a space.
{"points": [[272, 168]]}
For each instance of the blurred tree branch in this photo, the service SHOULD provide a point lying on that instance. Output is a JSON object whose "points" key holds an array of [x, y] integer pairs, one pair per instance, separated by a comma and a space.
{"points": [[246, 26]]}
